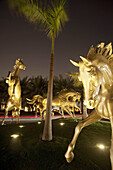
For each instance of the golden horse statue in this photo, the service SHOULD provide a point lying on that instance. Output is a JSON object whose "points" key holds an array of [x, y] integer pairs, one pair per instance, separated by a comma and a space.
{"points": [[14, 91], [96, 73], [65, 99]]}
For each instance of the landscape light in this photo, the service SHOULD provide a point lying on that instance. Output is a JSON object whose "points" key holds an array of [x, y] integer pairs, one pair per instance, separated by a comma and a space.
{"points": [[101, 146], [21, 126], [39, 123], [14, 136], [61, 123]]}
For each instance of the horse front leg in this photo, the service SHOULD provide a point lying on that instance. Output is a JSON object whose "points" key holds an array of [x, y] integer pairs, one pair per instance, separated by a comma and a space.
{"points": [[73, 110], [111, 149], [41, 115], [69, 155], [69, 112], [13, 114], [6, 112], [62, 112], [52, 113], [17, 117], [12, 118]]}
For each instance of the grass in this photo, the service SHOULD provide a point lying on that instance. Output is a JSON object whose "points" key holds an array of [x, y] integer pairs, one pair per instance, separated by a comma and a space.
{"points": [[29, 152]]}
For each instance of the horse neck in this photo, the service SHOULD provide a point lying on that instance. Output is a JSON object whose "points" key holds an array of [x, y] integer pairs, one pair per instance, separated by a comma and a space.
{"points": [[105, 90], [16, 72], [106, 78]]}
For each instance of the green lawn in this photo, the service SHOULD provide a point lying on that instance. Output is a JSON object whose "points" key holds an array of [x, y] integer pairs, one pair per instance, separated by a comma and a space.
{"points": [[28, 152]]}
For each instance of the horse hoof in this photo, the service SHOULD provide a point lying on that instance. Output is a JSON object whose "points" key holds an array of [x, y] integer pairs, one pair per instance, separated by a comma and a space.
{"points": [[75, 120], [70, 158]]}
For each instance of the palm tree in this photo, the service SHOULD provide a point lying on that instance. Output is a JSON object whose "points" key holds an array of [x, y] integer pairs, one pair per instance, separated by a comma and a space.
{"points": [[38, 85], [79, 85], [77, 82], [60, 83], [25, 91], [3, 90], [51, 17]]}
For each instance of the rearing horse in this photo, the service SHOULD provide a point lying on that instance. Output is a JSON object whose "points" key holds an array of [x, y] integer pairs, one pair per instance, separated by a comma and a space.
{"points": [[14, 91], [96, 73]]}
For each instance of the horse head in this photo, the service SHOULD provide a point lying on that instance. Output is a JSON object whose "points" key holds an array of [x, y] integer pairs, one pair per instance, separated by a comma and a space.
{"points": [[77, 97], [37, 99], [20, 64], [91, 78], [96, 73]]}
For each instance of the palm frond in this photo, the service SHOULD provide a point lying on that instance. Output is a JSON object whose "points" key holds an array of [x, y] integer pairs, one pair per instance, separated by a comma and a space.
{"points": [[30, 10], [50, 17], [56, 17]]}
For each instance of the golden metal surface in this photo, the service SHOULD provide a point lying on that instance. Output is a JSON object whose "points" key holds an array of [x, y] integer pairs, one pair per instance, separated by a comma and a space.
{"points": [[66, 100], [96, 73], [14, 91]]}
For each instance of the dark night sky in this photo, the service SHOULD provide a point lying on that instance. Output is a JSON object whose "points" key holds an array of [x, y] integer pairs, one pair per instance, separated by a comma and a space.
{"points": [[90, 22]]}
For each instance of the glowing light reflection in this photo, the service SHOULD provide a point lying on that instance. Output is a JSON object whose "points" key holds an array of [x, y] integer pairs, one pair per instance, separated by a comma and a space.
{"points": [[14, 136], [101, 146], [61, 123], [21, 126]]}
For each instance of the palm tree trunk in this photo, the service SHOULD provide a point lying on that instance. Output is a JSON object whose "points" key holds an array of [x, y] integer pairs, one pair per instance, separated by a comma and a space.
{"points": [[84, 113], [47, 133], [83, 107]]}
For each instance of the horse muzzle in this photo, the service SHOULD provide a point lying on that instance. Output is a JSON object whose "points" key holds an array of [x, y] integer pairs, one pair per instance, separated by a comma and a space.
{"points": [[24, 67]]}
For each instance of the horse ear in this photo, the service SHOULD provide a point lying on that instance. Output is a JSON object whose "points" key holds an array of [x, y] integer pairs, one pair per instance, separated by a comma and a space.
{"points": [[86, 61], [17, 61], [74, 63]]}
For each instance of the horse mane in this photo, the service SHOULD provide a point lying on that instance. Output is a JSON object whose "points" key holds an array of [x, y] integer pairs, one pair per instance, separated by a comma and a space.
{"points": [[104, 51], [15, 66], [66, 92], [14, 69], [101, 56]]}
